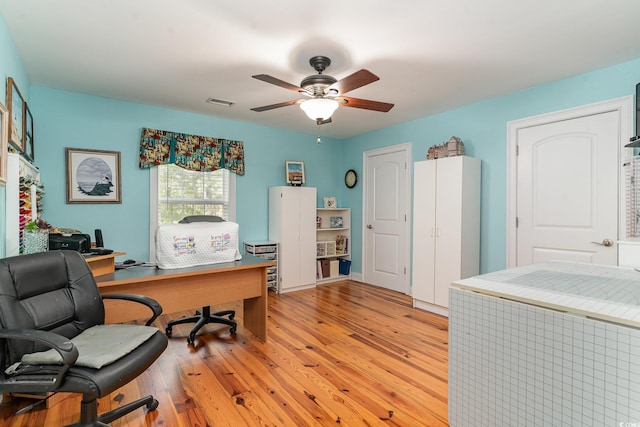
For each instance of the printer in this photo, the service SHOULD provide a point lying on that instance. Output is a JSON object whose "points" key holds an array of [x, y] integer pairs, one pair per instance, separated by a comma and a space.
{"points": [[75, 242]]}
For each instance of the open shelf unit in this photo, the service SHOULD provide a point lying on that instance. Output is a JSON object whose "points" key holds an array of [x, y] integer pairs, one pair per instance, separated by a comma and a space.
{"points": [[333, 244], [24, 194]]}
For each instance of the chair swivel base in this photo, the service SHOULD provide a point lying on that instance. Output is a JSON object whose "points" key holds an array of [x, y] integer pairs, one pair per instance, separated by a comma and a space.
{"points": [[202, 318], [90, 418]]}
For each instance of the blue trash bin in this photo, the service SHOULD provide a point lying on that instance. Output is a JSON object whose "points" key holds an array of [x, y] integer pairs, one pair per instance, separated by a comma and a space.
{"points": [[344, 267]]}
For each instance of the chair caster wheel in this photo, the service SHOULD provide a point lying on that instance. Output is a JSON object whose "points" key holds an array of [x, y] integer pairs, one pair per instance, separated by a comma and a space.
{"points": [[153, 405], [168, 331], [233, 330], [191, 340], [232, 316]]}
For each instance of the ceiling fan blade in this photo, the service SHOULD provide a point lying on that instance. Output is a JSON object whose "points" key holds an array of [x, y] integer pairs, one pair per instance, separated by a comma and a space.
{"points": [[269, 79], [354, 81], [272, 106], [365, 104]]}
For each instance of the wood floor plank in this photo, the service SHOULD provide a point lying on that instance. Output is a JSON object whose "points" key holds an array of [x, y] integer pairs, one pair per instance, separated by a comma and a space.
{"points": [[344, 353]]}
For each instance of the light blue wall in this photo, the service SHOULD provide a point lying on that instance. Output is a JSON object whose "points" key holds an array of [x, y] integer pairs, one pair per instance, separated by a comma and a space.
{"points": [[10, 66], [65, 119], [483, 128]]}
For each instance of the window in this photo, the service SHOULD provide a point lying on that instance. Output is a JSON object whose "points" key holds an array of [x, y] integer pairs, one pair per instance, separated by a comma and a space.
{"points": [[177, 192]]}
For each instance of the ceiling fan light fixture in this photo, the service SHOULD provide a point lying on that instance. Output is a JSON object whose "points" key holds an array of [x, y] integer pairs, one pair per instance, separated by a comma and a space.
{"points": [[319, 108]]}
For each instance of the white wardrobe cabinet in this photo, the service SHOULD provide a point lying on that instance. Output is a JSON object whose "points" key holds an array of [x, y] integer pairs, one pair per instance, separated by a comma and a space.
{"points": [[292, 223], [446, 228]]}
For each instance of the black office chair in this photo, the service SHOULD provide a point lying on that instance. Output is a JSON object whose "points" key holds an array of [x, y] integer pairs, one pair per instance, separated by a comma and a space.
{"points": [[205, 316], [47, 301]]}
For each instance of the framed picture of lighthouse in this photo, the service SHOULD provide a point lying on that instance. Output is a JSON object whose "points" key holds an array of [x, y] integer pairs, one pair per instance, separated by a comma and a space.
{"points": [[93, 176]]}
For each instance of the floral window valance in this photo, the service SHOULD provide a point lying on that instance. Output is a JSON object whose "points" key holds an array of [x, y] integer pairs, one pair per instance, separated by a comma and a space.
{"points": [[192, 152]]}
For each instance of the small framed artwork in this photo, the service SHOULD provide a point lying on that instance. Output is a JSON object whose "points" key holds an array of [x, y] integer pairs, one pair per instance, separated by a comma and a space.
{"points": [[4, 133], [335, 222], [28, 133], [294, 171], [330, 202], [15, 105], [93, 176]]}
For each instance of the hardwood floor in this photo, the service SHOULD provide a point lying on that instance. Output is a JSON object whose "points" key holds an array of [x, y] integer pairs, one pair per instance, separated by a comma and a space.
{"points": [[344, 353]]}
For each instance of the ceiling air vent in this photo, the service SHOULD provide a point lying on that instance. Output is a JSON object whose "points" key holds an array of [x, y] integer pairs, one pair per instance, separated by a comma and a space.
{"points": [[221, 102]]}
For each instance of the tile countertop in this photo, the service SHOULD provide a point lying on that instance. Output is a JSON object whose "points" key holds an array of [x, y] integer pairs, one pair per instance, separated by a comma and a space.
{"points": [[602, 292]]}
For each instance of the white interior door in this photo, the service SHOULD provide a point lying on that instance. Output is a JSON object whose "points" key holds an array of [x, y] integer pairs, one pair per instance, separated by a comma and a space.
{"points": [[567, 190], [385, 236]]}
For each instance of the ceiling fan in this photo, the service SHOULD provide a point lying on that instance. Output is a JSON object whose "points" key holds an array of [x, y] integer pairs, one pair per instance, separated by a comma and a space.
{"points": [[325, 93]]}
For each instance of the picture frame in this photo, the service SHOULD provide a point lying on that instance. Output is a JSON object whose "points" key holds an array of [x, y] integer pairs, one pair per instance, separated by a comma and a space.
{"points": [[294, 172], [335, 222], [330, 202], [93, 176], [15, 106], [29, 152], [4, 135]]}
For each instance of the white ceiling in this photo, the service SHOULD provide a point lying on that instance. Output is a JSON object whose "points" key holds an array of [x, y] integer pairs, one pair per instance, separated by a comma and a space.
{"points": [[430, 55]]}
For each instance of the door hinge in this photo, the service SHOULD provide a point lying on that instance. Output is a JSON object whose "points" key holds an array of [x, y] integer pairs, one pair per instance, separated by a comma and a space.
{"points": [[517, 150], [405, 271], [516, 222]]}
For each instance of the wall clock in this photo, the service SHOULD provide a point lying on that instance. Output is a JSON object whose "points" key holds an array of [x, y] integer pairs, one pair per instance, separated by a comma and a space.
{"points": [[351, 178]]}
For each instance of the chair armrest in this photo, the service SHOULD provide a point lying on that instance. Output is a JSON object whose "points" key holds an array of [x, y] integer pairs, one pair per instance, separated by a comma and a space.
{"points": [[65, 348], [154, 305]]}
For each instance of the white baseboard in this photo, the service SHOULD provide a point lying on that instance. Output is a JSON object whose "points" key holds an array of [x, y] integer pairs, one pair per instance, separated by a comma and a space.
{"points": [[442, 311]]}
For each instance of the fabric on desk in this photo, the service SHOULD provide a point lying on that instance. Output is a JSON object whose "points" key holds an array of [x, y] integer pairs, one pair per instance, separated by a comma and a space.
{"points": [[98, 346], [198, 243]]}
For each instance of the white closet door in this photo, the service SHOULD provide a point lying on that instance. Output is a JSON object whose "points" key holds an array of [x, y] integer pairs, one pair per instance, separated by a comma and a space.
{"points": [[307, 236], [424, 220], [448, 226]]}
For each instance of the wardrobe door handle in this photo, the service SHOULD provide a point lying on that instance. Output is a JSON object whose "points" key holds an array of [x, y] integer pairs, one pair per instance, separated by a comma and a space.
{"points": [[605, 242]]}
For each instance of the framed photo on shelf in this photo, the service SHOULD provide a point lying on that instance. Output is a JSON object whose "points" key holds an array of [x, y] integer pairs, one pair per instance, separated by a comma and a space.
{"points": [[335, 222], [294, 171], [330, 202], [4, 132], [15, 105], [28, 133], [93, 176]]}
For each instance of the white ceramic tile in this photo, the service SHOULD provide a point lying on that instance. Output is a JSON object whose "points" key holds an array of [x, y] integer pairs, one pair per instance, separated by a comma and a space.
{"points": [[597, 290], [561, 371]]}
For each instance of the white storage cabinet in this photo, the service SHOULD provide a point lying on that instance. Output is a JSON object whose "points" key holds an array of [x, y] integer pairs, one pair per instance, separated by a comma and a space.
{"points": [[446, 228], [292, 212]]}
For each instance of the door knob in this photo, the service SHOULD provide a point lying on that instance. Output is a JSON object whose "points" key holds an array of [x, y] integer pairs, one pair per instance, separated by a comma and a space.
{"points": [[605, 242], [369, 226]]}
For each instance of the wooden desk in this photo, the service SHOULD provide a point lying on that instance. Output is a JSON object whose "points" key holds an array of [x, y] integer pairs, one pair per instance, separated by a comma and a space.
{"points": [[103, 264], [191, 288]]}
